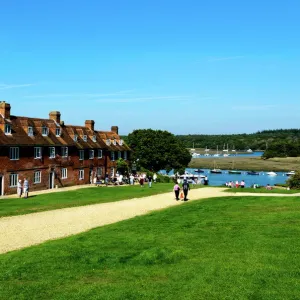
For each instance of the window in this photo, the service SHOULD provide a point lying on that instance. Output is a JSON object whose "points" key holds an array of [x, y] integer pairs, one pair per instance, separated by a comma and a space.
{"points": [[51, 152], [64, 151], [75, 138], [121, 142], [37, 152], [7, 129], [64, 173], [37, 177], [81, 174], [45, 131], [99, 153], [13, 180], [119, 154], [14, 153], [91, 154], [85, 138], [99, 172], [112, 172], [81, 154], [94, 139], [57, 132], [125, 155], [112, 155], [115, 142], [30, 131], [108, 142]]}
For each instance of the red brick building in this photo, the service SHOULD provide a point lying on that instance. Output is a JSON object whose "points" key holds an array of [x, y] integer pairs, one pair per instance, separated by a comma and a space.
{"points": [[49, 153]]}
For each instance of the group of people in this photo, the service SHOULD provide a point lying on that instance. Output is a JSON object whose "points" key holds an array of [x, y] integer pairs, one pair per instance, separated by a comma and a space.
{"points": [[23, 188], [237, 184], [185, 190]]}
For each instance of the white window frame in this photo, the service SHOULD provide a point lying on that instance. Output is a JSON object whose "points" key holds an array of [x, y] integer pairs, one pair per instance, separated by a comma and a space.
{"points": [[100, 154], [125, 155], [94, 139], [84, 138], [81, 154], [99, 172], [13, 179], [64, 151], [37, 178], [112, 156], [45, 131], [30, 131], [7, 129], [14, 153], [81, 174], [91, 154], [57, 131], [115, 142], [64, 173], [121, 142], [108, 141], [51, 152], [37, 152], [75, 137]]}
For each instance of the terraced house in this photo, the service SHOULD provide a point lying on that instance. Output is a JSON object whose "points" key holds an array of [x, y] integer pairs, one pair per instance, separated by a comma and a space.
{"points": [[49, 153]]}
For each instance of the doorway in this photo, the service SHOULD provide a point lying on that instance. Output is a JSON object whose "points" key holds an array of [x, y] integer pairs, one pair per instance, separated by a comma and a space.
{"points": [[51, 180], [1, 185]]}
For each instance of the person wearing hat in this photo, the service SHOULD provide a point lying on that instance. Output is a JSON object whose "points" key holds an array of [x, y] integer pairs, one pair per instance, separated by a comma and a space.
{"points": [[19, 188], [185, 188]]}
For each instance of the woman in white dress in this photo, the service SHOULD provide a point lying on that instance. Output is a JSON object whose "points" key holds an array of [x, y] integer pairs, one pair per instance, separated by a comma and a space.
{"points": [[19, 188]]}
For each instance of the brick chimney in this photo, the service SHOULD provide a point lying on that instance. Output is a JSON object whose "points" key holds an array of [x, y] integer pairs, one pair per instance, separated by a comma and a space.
{"points": [[55, 115], [115, 129], [90, 124], [5, 109]]}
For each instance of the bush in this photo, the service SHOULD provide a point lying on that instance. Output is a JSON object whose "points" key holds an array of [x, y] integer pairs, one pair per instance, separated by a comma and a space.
{"points": [[163, 179], [294, 181]]}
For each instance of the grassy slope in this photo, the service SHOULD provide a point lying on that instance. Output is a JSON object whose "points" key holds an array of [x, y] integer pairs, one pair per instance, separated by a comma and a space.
{"points": [[43, 202], [226, 248], [262, 190]]}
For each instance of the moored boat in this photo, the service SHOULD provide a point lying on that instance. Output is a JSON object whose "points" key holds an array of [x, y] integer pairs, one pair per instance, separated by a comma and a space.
{"points": [[216, 171], [234, 172], [271, 173], [252, 173], [199, 171], [290, 173]]}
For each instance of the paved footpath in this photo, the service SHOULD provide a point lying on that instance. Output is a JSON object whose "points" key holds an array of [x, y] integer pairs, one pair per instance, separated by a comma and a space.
{"points": [[26, 230]]}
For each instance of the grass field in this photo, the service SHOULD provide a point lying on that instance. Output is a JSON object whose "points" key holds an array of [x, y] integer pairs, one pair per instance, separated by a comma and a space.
{"points": [[222, 248], [262, 190], [248, 163], [50, 201]]}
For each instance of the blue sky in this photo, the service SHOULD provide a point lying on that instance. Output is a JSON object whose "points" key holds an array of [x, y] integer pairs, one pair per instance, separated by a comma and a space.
{"points": [[184, 66]]}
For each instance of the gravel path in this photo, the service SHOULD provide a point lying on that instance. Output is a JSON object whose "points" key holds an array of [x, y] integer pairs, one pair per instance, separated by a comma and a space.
{"points": [[26, 230]]}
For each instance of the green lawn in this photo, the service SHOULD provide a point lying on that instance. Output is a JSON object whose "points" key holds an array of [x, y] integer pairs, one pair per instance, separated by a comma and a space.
{"points": [[222, 248], [262, 190], [20, 206]]}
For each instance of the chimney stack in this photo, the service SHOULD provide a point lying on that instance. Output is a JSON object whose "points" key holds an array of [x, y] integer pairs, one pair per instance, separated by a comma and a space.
{"points": [[5, 109], [115, 129], [55, 115], [90, 124]]}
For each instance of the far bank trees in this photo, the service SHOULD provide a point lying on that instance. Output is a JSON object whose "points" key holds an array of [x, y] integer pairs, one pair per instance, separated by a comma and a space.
{"points": [[156, 150]]}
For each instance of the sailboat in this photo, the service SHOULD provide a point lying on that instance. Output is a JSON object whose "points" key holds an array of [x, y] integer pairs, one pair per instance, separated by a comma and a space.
{"points": [[226, 150], [233, 171], [206, 152], [215, 170], [217, 154]]}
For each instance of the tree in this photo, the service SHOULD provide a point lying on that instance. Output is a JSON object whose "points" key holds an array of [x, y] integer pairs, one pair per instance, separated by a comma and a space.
{"points": [[156, 150], [294, 181], [122, 166]]}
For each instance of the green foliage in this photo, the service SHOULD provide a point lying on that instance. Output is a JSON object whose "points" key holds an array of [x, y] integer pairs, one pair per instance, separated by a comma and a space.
{"points": [[282, 148], [156, 150], [163, 179], [294, 181], [122, 166]]}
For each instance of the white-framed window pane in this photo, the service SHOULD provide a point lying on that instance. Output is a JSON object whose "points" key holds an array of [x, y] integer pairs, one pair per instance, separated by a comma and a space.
{"points": [[81, 174], [7, 129], [30, 131], [119, 154], [37, 152], [99, 153], [112, 155], [37, 177], [91, 154], [85, 138], [115, 142], [45, 131], [125, 155], [13, 180], [64, 151], [108, 142], [121, 142], [51, 152], [75, 138], [99, 172], [64, 173], [14, 153], [57, 132], [112, 172], [94, 138], [81, 154]]}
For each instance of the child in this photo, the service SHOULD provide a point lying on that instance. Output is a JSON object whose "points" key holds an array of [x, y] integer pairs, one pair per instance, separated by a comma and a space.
{"points": [[176, 190]]}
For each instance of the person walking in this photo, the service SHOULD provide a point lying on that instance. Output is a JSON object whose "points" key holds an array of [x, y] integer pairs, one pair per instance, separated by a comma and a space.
{"points": [[176, 190], [154, 177], [106, 179], [141, 181], [131, 178], [19, 188], [26, 188], [150, 181], [185, 188]]}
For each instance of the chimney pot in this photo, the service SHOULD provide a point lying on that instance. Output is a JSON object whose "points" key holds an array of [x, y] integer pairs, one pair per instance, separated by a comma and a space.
{"points": [[90, 124], [5, 109], [55, 115], [115, 129]]}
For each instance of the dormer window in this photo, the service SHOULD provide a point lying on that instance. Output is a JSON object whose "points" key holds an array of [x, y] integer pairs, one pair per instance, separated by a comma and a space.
{"points": [[121, 142], [45, 131], [85, 138], [115, 142], [75, 138], [57, 132], [30, 131], [94, 139], [7, 129], [108, 142]]}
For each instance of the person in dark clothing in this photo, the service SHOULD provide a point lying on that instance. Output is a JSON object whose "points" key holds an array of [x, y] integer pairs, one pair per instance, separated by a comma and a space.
{"points": [[185, 188]]}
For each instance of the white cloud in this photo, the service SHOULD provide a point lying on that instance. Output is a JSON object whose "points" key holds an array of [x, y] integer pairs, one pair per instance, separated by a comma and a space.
{"points": [[4, 86]]}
